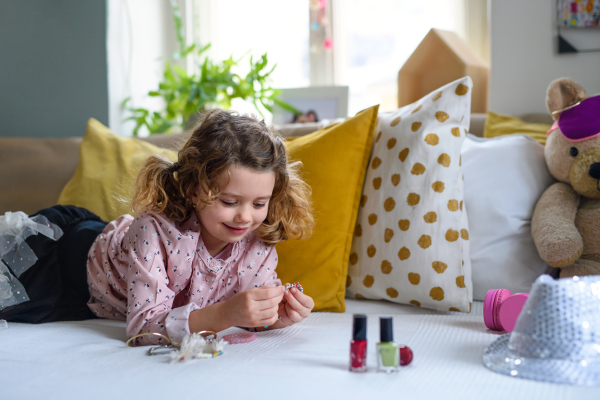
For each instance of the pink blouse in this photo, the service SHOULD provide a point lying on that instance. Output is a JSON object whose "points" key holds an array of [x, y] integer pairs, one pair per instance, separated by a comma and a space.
{"points": [[154, 272]]}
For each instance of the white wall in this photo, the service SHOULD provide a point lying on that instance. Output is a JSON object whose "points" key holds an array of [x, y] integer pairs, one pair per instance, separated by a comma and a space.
{"points": [[524, 59], [141, 36]]}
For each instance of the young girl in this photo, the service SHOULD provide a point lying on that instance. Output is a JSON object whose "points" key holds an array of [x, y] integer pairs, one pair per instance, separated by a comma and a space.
{"points": [[199, 254]]}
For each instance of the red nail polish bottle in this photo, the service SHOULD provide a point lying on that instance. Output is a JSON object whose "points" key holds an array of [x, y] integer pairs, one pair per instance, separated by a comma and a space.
{"points": [[358, 344]]}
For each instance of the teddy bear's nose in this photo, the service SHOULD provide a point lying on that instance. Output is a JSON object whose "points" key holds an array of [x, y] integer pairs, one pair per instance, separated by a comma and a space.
{"points": [[595, 170]]}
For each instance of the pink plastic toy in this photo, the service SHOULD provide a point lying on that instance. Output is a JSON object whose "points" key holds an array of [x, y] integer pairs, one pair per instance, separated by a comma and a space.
{"points": [[501, 309], [239, 338]]}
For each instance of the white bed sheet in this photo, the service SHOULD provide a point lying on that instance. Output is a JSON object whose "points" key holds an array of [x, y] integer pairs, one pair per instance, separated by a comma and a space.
{"points": [[89, 360]]}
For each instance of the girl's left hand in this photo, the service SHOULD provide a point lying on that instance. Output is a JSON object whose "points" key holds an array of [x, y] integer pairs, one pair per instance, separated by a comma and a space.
{"points": [[295, 307]]}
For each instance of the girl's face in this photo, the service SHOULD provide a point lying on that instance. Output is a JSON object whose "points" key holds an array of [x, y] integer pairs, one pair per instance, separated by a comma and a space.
{"points": [[240, 209]]}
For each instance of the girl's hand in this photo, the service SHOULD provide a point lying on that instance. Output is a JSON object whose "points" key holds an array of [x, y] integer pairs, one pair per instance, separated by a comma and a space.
{"points": [[254, 307], [295, 307]]}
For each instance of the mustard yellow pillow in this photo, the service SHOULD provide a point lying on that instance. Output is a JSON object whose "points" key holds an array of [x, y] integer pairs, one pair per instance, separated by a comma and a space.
{"points": [[108, 167], [500, 125], [334, 165]]}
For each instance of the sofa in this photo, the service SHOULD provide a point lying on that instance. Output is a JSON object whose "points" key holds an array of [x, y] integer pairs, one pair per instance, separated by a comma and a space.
{"points": [[89, 359]]}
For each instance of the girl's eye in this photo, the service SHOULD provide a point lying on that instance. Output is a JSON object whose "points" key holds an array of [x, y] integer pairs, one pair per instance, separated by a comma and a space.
{"points": [[227, 203], [258, 205]]}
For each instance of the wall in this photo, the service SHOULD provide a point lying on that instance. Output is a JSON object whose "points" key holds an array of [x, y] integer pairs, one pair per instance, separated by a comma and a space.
{"points": [[524, 59], [53, 69]]}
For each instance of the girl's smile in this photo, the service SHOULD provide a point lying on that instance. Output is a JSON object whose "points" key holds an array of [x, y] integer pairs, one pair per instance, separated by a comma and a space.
{"points": [[240, 209]]}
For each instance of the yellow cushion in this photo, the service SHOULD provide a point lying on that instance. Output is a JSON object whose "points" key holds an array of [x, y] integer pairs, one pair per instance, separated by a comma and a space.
{"points": [[108, 167], [500, 125], [334, 165]]}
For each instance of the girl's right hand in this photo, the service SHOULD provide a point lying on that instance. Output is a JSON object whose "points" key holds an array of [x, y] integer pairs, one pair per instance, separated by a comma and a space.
{"points": [[255, 307]]}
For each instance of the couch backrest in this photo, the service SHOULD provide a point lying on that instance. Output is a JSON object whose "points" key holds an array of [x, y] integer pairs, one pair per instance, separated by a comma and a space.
{"points": [[34, 171]]}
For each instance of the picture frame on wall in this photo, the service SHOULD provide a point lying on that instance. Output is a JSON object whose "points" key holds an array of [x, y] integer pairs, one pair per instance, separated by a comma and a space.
{"points": [[316, 103]]}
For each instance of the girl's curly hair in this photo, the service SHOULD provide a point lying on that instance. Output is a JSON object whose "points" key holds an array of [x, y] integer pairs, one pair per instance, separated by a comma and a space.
{"points": [[225, 139]]}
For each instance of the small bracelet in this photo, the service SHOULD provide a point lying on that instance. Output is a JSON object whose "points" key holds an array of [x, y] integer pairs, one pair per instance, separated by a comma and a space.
{"points": [[170, 342], [129, 342]]}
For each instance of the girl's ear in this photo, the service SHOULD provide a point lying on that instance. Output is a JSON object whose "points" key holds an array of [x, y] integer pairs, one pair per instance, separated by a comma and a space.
{"points": [[562, 93]]}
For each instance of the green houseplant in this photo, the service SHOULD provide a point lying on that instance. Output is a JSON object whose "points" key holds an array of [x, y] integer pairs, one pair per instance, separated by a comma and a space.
{"points": [[212, 84]]}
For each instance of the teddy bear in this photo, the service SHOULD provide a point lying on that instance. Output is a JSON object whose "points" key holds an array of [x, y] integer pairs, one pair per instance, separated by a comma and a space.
{"points": [[566, 220]]}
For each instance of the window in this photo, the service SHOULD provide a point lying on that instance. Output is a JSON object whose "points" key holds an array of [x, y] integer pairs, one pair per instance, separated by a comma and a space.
{"points": [[375, 38], [370, 40], [278, 28]]}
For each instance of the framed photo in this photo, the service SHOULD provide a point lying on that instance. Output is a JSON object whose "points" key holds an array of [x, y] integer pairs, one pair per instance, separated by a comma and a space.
{"points": [[316, 103], [578, 14]]}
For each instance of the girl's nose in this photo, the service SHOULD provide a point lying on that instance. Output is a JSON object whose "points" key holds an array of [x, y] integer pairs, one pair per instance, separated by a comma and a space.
{"points": [[243, 216]]}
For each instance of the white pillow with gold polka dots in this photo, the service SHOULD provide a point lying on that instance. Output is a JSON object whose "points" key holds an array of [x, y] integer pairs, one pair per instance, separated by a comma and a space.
{"points": [[411, 242]]}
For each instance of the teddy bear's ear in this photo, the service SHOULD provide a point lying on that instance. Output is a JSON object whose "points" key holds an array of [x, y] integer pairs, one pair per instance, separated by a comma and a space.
{"points": [[562, 93]]}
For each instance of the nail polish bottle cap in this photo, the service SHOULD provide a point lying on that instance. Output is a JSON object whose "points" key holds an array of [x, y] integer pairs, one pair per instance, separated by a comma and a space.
{"points": [[359, 332], [386, 329]]}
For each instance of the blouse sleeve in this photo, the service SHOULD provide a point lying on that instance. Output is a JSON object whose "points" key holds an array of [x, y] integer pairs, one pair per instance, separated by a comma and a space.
{"points": [[265, 274], [149, 298]]}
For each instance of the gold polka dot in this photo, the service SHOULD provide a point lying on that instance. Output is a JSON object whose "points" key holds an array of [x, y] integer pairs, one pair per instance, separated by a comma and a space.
{"points": [[415, 126], [389, 204], [460, 281], [459, 161], [396, 121], [444, 160], [461, 90], [469, 306], [378, 137], [466, 131], [452, 205], [391, 143], [439, 266], [414, 278], [441, 116], [464, 234], [358, 230], [413, 199], [437, 96], [363, 200], [437, 293], [456, 131], [438, 186], [425, 241], [432, 139], [372, 219], [430, 217], [371, 250], [414, 302], [377, 183], [376, 163], [386, 267], [393, 293], [353, 258], [348, 281], [416, 109], [404, 253], [368, 281], [453, 309], [404, 224], [395, 179], [403, 154], [389, 234], [418, 169], [451, 235], [461, 205], [359, 296]]}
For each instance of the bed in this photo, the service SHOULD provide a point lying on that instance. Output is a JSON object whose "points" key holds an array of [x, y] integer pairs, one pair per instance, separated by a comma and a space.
{"points": [[89, 360]]}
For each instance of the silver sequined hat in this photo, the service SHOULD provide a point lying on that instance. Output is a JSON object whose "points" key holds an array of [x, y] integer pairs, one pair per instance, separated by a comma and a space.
{"points": [[557, 336]]}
